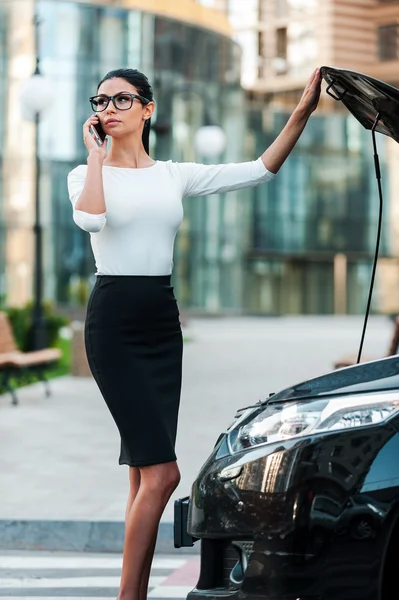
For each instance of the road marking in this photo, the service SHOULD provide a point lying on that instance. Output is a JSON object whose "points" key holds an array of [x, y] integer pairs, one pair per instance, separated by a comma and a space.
{"points": [[178, 591], [81, 562], [68, 582], [185, 575], [15, 578]]}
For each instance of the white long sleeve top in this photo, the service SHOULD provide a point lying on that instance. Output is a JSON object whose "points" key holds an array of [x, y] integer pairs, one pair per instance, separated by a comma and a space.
{"points": [[136, 234]]}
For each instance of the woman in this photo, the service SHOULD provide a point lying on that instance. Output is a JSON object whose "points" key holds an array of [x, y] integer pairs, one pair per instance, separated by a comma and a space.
{"points": [[132, 207]]}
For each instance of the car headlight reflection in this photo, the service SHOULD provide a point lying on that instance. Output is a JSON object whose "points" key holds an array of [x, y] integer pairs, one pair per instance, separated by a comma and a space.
{"points": [[281, 421]]}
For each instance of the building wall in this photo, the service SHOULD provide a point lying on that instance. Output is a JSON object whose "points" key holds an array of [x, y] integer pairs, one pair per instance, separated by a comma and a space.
{"points": [[281, 248], [195, 72], [17, 153], [315, 226], [353, 31], [341, 33], [386, 14], [3, 76]]}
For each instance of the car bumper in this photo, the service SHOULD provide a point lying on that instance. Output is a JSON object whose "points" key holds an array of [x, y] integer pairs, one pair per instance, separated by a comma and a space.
{"points": [[294, 521]]}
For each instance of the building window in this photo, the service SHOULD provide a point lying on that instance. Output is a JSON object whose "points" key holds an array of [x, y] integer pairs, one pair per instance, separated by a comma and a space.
{"points": [[281, 42], [261, 54], [280, 60], [388, 42]]}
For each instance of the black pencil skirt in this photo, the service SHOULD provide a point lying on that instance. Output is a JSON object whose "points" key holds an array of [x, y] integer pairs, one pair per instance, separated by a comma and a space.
{"points": [[134, 348]]}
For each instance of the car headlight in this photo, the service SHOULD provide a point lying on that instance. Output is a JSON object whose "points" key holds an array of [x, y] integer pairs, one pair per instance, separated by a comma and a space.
{"points": [[286, 420]]}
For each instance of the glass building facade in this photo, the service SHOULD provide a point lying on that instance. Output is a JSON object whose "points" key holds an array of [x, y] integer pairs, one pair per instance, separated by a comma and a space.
{"points": [[302, 244], [3, 77], [195, 74], [317, 221]]}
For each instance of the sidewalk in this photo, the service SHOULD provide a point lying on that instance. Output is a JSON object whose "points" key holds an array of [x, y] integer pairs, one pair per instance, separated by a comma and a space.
{"points": [[60, 482]]}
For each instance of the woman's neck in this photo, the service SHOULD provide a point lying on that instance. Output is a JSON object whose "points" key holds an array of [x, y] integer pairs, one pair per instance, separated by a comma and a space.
{"points": [[128, 154]]}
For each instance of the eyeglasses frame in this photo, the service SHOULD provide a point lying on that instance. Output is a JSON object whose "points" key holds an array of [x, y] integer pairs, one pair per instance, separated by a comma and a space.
{"points": [[143, 100]]}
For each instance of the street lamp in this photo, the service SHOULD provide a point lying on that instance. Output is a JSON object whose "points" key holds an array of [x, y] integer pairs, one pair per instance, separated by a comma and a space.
{"points": [[36, 95], [210, 141]]}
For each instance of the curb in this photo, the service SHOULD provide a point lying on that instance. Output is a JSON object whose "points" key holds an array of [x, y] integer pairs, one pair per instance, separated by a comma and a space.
{"points": [[79, 536]]}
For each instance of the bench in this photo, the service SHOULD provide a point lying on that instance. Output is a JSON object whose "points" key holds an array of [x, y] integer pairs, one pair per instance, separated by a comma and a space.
{"points": [[15, 363], [348, 361]]}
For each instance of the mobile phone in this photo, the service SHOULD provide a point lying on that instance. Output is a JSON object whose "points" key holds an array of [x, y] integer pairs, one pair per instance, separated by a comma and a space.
{"points": [[98, 133]]}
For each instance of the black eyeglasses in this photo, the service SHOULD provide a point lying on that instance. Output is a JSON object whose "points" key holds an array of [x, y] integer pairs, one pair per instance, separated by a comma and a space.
{"points": [[121, 101]]}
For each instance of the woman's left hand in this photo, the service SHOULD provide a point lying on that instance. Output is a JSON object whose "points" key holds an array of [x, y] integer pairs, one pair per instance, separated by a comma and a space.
{"points": [[274, 156], [311, 93]]}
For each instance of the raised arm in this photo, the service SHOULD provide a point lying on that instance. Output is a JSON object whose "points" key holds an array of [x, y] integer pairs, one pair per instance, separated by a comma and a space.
{"points": [[201, 180], [280, 149]]}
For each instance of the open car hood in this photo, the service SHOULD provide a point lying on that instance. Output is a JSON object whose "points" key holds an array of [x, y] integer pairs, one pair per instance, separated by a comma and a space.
{"points": [[375, 376], [365, 98]]}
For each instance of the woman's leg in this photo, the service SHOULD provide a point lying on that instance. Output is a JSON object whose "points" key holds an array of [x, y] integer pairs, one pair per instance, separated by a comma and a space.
{"points": [[145, 577], [157, 483], [134, 481], [134, 484]]}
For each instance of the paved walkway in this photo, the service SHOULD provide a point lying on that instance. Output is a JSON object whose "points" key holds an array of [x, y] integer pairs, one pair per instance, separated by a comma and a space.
{"points": [[77, 576], [58, 456]]}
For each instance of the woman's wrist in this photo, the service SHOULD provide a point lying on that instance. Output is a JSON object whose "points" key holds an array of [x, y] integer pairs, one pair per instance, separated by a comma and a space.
{"points": [[95, 157], [301, 115]]}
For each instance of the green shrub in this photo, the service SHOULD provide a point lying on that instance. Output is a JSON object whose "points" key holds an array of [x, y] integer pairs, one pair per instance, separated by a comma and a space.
{"points": [[21, 323]]}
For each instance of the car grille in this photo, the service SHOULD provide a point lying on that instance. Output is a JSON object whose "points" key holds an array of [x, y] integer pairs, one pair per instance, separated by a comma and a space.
{"points": [[231, 556], [235, 561], [223, 564]]}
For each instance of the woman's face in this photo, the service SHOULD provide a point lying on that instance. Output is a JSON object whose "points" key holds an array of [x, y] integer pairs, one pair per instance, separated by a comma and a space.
{"points": [[116, 122]]}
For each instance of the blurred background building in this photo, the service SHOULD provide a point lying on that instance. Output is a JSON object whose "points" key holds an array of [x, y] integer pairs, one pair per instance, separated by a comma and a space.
{"points": [[314, 228], [302, 244], [187, 52]]}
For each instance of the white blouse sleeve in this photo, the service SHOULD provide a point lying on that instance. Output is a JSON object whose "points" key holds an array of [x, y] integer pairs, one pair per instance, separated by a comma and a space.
{"points": [[86, 221], [201, 180]]}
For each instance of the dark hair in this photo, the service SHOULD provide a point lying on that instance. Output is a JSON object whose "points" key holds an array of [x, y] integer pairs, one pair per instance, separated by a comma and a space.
{"points": [[143, 87]]}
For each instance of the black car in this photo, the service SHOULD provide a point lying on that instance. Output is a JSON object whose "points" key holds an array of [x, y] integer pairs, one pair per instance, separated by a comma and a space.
{"points": [[299, 499]]}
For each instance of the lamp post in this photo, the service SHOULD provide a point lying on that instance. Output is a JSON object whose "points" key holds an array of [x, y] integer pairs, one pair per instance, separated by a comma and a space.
{"points": [[210, 141], [36, 95]]}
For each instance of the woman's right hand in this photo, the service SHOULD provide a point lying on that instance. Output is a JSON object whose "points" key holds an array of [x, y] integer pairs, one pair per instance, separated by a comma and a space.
{"points": [[90, 142]]}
